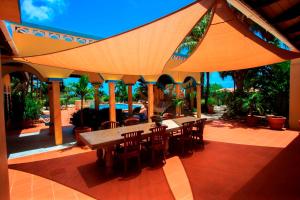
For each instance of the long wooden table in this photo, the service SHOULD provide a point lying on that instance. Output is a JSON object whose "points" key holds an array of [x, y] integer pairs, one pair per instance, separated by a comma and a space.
{"points": [[106, 140]]}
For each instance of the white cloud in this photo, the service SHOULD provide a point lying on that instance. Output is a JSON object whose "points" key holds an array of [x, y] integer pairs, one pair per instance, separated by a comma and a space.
{"points": [[42, 10]]}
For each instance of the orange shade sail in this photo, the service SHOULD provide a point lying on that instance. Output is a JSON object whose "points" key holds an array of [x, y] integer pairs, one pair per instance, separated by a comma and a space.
{"points": [[141, 51], [229, 45]]}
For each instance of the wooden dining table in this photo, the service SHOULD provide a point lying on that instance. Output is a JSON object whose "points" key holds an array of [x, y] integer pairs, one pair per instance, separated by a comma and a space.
{"points": [[105, 141]]}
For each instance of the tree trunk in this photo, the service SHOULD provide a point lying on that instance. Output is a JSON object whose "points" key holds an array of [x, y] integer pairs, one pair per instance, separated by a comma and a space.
{"points": [[207, 90], [202, 84], [81, 112]]}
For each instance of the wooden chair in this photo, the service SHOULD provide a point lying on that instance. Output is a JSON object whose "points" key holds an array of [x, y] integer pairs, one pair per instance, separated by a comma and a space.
{"points": [[168, 116], [132, 147], [185, 138], [158, 140], [109, 125], [197, 133], [131, 121]]}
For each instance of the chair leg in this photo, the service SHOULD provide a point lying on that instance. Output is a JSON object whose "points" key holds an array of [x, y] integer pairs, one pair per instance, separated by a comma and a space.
{"points": [[152, 157], [164, 156], [139, 163], [125, 165]]}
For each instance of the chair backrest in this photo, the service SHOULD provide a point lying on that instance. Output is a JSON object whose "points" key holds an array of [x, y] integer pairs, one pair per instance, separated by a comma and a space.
{"points": [[131, 121], [132, 141], [168, 116], [187, 128], [109, 125], [158, 135], [199, 124]]}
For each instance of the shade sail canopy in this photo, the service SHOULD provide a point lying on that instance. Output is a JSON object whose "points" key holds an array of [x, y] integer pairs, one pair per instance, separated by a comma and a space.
{"points": [[229, 45], [141, 51]]}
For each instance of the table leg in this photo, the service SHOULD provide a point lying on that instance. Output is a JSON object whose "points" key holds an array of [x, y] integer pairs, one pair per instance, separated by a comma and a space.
{"points": [[101, 156], [109, 159]]}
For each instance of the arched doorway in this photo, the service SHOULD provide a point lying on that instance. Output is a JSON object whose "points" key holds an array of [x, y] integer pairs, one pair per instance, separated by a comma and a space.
{"points": [[164, 94]]}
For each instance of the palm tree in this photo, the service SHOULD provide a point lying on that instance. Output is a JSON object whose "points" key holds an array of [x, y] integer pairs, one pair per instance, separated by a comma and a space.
{"points": [[68, 94], [207, 90], [81, 90]]}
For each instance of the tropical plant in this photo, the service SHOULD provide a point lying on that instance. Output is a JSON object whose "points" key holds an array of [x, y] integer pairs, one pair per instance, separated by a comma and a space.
{"points": [[68, 94], [178, 103], [141, 91], [32, 108], [211, 101], [253, 103], [82, 90], [121, 91]]}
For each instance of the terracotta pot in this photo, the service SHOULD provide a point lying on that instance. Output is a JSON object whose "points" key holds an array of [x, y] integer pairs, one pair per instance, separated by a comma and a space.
{"points": [[210, 109], [276, 122], [79, 130], [252, 120], [299, 123]]}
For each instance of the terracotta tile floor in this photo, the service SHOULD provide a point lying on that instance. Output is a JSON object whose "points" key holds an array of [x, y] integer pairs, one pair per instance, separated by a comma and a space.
{"points": [[28, 186], [237, 162]]}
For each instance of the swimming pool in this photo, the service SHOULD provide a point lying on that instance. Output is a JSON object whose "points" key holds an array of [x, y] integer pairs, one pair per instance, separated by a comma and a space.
{"points": [[121, 106]]}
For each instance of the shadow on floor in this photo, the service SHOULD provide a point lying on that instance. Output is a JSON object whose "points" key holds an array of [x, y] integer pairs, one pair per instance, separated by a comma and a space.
{"points": [[18, 142], [82, 173], [279, 179]]}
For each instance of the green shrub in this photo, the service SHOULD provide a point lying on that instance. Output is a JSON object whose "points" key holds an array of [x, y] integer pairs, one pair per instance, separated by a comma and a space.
{"points": [[33, 108], [93, 118]]}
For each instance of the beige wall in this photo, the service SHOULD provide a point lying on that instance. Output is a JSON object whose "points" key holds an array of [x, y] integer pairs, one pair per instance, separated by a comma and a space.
{"points": [[294, 94]]}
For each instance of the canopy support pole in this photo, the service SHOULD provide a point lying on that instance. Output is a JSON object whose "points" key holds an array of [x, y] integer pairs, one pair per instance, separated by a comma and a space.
{"points": [[112, 101], [129, 99], [294, 114], [96, 95], [178, 107], [4, 189], [199, 100], [55, 111], [150, 101]]}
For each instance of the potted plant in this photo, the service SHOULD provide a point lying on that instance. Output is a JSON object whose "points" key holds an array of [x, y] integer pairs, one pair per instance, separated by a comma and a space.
{"points": [[157, 119], [253, 104], [32, 111], [276, 122], [81, 90], [210, 105], [178, 102]]}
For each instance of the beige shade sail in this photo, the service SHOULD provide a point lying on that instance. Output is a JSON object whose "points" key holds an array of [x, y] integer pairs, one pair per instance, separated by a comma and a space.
{"points": [[141, 51], [229, 45]]}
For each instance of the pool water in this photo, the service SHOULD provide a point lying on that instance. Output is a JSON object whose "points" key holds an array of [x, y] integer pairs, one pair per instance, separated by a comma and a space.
{"points": [[121, 106]]}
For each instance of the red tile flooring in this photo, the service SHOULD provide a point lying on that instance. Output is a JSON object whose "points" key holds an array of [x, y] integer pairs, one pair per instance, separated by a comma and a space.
{"points": [[236, 169], [82, 173]]}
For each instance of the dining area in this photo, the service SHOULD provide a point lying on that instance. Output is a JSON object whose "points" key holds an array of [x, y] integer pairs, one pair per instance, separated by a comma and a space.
{"points": [[134, 144]]}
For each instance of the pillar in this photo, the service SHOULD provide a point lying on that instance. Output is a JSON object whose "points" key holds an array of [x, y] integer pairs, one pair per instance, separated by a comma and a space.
{"points": [[51, 110], [150, 101], [112, 101], [198, 100], [4, 184], [7, 97], [294, 114], [177, 91], [193, 97], [55, 112], [96, 95], [130, 99]]}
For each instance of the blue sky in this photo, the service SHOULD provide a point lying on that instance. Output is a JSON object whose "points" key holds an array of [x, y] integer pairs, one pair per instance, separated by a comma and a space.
{"points": [[101, 18]]}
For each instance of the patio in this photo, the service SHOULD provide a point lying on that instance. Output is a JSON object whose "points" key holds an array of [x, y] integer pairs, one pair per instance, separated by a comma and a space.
{"points": [[235, 168], [234, 161]]}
